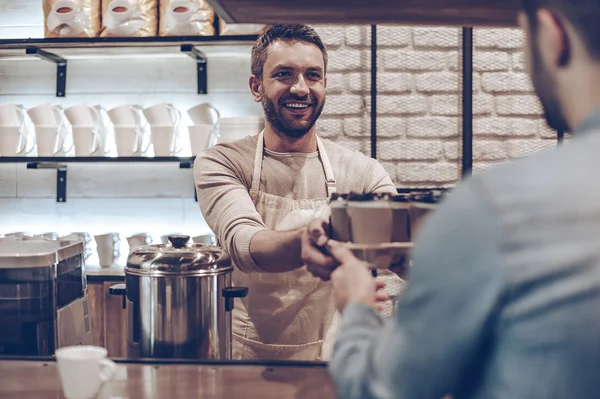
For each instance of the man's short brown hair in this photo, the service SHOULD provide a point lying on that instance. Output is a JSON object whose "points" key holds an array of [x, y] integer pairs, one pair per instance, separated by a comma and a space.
{"points": [[284, 32]]}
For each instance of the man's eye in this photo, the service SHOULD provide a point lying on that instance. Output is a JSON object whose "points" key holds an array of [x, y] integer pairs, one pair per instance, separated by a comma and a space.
{"points": [[282, 74], [314, 75]]}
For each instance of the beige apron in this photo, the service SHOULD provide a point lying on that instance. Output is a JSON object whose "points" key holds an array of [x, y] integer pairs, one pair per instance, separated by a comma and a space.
{"points": [[285, 316]]}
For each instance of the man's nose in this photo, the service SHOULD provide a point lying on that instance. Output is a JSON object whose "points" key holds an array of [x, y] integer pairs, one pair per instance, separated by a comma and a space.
{"points": [[300, 88]]}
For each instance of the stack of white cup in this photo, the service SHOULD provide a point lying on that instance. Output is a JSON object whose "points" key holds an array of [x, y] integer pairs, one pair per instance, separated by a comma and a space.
{"points": [[13, 138], [50, 130], [85, 124], [130, 130], [164, 122], [204, 131]]}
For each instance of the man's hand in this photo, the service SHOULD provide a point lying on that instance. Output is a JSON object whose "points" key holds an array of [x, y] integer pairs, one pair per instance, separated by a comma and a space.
{"points": [[352, 280], [314, 250]]}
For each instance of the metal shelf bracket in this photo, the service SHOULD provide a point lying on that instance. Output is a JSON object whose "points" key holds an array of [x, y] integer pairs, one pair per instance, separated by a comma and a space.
{"points": [[201, 64], [61, 177], [61, 67]]}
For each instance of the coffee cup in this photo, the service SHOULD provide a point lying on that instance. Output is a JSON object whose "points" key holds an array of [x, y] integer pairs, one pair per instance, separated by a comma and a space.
{"points": [[163, 114], [49, 141], [129, 140], [127, 115], [108, 248], [204, 114], [139, 240], [164, 140], [83, 370], [46, 115], [12, 115], [201, 137], [370, 219], [86, 140], [13, 141], [208, 239], [83, 115]]}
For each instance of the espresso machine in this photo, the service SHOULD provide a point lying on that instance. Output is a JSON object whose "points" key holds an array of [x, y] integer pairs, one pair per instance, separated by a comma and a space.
{"points": [[43, 297]]}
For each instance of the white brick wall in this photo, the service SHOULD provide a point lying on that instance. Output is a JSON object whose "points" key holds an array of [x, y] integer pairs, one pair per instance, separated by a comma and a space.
{"points": [[419, 99]]}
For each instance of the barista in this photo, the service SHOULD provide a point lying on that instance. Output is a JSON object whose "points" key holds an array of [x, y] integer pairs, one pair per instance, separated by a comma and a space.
{"points": [[258, 194]]}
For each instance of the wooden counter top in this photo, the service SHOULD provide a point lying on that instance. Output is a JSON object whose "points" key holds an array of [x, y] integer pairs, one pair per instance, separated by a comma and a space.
{"points": [[411, 12], [24, 379]]}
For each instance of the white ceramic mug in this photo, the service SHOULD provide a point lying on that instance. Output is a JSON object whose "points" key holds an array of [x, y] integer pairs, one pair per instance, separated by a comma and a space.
{"points": [[208, 239], [12, 115], [129, 141], [108, 248], [87, 140], [163, 114], [83, 115], [46, 115], [13, 141], [164, 140], [202, 137], [127, 115], [84, 370], [139, 240], [204, 114], [49, 141]]}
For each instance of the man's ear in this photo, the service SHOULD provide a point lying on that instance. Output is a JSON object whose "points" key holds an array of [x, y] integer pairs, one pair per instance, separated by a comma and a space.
{"points": [[255, 88], [553, 41]]}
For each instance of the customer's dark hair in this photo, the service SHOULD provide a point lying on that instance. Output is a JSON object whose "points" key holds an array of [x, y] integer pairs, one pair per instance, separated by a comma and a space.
{"points": [[285, 32], [584, 15]]}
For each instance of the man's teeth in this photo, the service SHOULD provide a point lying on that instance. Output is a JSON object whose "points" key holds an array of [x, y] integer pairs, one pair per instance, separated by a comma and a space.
{"points": [[296, 105]]}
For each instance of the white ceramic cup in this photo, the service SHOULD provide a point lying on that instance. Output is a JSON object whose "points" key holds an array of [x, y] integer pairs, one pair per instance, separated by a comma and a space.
{"points": [[12, 115], [129, 140], [84, 370], [13, 141], [164, 140], [87, 140], [83, 115], [208, 239], [126, 115], [201, 137], [163, 114], [139, 240], [49, 141], [108, 248], [46, 115], [204, 114]]}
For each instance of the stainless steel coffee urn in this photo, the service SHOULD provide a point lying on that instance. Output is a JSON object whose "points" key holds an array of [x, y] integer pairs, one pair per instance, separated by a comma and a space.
{"points": [[179, 299]]}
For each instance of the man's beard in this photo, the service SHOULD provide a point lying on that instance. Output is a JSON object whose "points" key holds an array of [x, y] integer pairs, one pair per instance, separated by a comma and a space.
{"points": [[546, 90], [282, 125]]}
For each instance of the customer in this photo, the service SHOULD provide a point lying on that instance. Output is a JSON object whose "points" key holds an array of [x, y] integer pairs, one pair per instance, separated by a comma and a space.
{"points": [[504, 294], [259, 193]]}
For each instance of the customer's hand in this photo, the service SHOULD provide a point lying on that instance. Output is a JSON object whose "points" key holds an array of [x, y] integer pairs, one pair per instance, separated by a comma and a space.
{"points": [[352, 280], [314, 253]]}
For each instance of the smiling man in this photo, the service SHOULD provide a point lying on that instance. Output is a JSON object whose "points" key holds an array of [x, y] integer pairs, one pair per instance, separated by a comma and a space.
{"points": [[258, 194]]}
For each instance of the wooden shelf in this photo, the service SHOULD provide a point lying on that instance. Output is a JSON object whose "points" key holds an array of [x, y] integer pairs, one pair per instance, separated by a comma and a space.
{"points": [[94, 159], [410, 12]]}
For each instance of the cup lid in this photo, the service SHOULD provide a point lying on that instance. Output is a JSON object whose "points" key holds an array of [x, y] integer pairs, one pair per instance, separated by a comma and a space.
{"points": [[179, 257]]}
